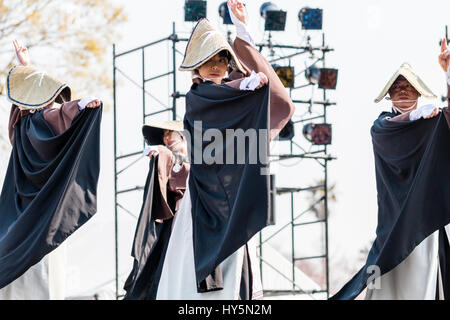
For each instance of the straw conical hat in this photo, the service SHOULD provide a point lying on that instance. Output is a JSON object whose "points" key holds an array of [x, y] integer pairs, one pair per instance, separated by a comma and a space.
{"points": [[154, 132], [31, 89], [406, 71], [205, 42]]}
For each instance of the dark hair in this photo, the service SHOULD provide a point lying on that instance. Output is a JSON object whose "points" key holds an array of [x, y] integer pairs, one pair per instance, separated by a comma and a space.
{"points": [[226, 54]]}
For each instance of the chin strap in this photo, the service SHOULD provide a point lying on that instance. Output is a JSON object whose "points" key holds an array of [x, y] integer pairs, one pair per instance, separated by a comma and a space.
{"points": [[404, 109]]}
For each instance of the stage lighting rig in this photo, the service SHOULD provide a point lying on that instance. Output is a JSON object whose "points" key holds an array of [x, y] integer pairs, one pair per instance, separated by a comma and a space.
{"points": [[225, 13], [318, 134], [328, 78], [194, 10], [312, 74], [311, 19], [288, 132], [286, 75], [274, 17]]}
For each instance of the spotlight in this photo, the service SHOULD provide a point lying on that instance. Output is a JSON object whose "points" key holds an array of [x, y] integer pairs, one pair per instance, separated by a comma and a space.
{"points": [[328, 78], [312, 74], [318, 134], [194, 10], [287, 133], [225, 13], [311, 19], [286, 75], [275, 18]]}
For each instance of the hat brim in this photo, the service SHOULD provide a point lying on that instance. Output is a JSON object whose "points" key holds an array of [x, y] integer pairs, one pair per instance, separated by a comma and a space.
{"points": [[29, 96], [153, 135]]}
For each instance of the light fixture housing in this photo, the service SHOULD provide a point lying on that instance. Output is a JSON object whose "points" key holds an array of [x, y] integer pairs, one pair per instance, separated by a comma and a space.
{"points": [[194, 10], [225, 13], [318, 133], [288, 132], [286, 74], [275, 19], [311, 19], [328, 78]]}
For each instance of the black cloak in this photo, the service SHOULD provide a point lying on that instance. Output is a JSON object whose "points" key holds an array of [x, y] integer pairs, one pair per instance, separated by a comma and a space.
{"points": [[230, 202], [49, 190], [150, 243], [412, 162]]}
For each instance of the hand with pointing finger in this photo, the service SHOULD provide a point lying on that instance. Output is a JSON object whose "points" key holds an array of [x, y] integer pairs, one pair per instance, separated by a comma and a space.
{"points": [[444, 57], [21, 53]]}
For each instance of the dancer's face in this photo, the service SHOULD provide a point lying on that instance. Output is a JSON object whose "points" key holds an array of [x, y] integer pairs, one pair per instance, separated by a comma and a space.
{"points": [[214, 69], [170, 140], [400, 90]]}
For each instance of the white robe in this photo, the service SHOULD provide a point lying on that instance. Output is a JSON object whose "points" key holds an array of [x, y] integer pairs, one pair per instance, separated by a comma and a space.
{"points": [[43, 281], [415, 277], [178, 281]]}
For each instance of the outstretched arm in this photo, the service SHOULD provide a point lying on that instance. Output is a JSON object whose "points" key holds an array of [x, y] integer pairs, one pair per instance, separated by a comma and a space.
{"points": [[281, 106], [239, 17]]}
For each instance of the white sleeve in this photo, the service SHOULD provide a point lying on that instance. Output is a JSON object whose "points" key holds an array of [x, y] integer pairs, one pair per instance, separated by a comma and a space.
{"points": [[241, 29], [421, 112], [251, 82], [448, 76], [84, 102], [149, 149]]}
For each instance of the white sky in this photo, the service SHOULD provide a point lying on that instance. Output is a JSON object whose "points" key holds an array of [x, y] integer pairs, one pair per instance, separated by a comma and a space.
{"points": [[371, 39]]}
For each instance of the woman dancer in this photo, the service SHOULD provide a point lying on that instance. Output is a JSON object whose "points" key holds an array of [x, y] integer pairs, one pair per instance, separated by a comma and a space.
{"points": [[410, 256], [211, 253], [50, 186], [164, 189]]}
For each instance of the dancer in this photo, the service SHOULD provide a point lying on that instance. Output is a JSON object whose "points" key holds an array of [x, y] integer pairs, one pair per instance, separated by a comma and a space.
{"points": [[50, 186], [410, 256], [211, 252], [164, 189]]}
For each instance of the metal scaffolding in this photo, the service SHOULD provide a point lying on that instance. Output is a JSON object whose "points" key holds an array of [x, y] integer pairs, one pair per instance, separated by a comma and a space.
{"points": [[321, 156]]}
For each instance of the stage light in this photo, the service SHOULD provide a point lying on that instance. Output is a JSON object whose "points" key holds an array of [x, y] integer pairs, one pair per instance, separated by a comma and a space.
{"points": [[225, 13], [317, 134], [286, 75], [328, 78], [311, 19], [312, 74], [287, 133], [194, 10], [275, 18]]}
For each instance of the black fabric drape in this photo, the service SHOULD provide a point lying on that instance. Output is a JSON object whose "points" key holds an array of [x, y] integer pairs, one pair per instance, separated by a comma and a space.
{"points": [[49, 191], [230, 202], [412, 162], [150, 243]]}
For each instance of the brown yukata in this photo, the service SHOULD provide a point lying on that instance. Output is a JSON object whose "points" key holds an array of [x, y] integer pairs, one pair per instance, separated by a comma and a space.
{"points": [[59, 118], [172, 185]]}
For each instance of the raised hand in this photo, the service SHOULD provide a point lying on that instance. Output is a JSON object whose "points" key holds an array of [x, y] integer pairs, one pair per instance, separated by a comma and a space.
{"points": [[94, 104], [238, 10], [444, 57], [21, 53], [264, 80]]}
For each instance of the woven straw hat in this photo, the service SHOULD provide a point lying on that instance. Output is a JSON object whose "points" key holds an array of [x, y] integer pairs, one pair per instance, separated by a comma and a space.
{"points": [[205, 42], [30, 89], [406, 71], [154, 132]]}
